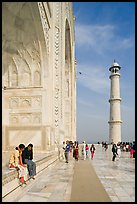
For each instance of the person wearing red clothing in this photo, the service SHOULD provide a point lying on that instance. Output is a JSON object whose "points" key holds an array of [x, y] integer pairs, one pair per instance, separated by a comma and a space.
{"points": [[15, 162], [87, 149], [76, 153], [92, 150], [22, 171]]}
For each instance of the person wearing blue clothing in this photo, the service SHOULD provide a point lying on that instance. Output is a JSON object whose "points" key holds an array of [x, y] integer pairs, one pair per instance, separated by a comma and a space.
{"points": [[67, 149]]}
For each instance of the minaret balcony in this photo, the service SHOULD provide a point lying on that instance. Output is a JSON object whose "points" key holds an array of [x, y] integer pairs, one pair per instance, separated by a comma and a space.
{"points": [[114, 99], [114, 121]]}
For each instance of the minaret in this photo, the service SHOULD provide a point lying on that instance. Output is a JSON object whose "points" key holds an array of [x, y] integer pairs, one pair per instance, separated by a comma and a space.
{"points": [[115, 100]]}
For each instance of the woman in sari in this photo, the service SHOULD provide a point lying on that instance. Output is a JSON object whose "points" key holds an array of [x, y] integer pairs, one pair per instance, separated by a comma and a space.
{"points": [[16, 163]]}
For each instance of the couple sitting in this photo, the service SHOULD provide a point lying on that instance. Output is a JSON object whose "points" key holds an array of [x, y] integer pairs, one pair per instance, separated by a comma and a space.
{"points": [[19, 158]]}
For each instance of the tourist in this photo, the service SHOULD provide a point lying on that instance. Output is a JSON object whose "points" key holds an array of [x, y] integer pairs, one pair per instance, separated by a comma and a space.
{"points": [[71, 145], [15, 162], [124, 147], [127, 147], [27, 157], [67, 150], [105, 146], [76, 152], [87, 149], [83, 151], [114, 151], [131, 151], [92, 150], [74, 146], [63, 148], [118, 149], [134, 149]]}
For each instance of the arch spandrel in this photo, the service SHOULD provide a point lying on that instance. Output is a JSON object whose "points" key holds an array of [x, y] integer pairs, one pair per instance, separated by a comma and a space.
{"points": [[22, 37]]}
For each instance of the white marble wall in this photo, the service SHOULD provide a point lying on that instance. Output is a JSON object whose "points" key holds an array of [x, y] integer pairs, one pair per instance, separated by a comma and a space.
{"points": [[35, 55]]}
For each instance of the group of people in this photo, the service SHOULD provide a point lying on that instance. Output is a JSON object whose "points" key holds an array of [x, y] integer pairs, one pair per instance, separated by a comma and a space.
{"points": [[21, 159], [84, 148], [116, 150]]}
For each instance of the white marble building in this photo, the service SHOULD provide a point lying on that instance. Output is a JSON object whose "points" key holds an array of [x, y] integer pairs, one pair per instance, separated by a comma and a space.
{"points": [[38, 74]]}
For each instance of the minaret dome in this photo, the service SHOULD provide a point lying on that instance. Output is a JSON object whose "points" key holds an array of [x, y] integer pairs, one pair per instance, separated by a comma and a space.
{"points": [[114, 67]]}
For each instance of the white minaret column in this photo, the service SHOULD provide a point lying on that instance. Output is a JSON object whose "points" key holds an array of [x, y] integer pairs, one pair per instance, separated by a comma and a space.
{"points": [[115, 112]]}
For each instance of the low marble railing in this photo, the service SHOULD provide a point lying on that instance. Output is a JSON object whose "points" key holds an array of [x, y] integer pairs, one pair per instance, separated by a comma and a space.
{"points": [[10, 181]]}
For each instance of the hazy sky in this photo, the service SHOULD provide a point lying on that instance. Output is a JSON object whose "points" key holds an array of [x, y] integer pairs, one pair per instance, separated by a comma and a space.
{"points": [[104, 31]]}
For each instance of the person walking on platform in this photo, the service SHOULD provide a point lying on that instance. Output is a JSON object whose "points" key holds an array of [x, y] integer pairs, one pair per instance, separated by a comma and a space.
{"points": [[92, 150], [67, 150], [106, 146], [84, 151], [118, 150], [63, 149], [114, 151], [87, 149], [76, 152], [131, 151], [74, 146]]}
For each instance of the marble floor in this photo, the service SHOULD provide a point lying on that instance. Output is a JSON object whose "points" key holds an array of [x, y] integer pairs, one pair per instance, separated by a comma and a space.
{"points": [[54, 183], [118, 177]]}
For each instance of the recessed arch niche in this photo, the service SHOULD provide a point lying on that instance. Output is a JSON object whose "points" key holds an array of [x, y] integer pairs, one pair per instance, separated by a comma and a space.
{"points": [[23, 42], [68, 79]]}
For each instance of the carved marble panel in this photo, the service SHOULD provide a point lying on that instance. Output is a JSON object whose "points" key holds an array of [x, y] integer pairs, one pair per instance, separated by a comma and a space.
{"points": [[14, 119], [36, 102], [36, 118], [24, 65], [25, 102], [25, 118], [14, 102]]}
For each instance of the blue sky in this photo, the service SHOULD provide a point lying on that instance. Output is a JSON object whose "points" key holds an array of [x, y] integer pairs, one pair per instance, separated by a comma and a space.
{"points": [[104, 31]]}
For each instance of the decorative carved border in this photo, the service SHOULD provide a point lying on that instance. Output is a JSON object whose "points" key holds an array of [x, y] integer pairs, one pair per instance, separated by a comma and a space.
{"points": [[57, 38], [45, 24]]}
